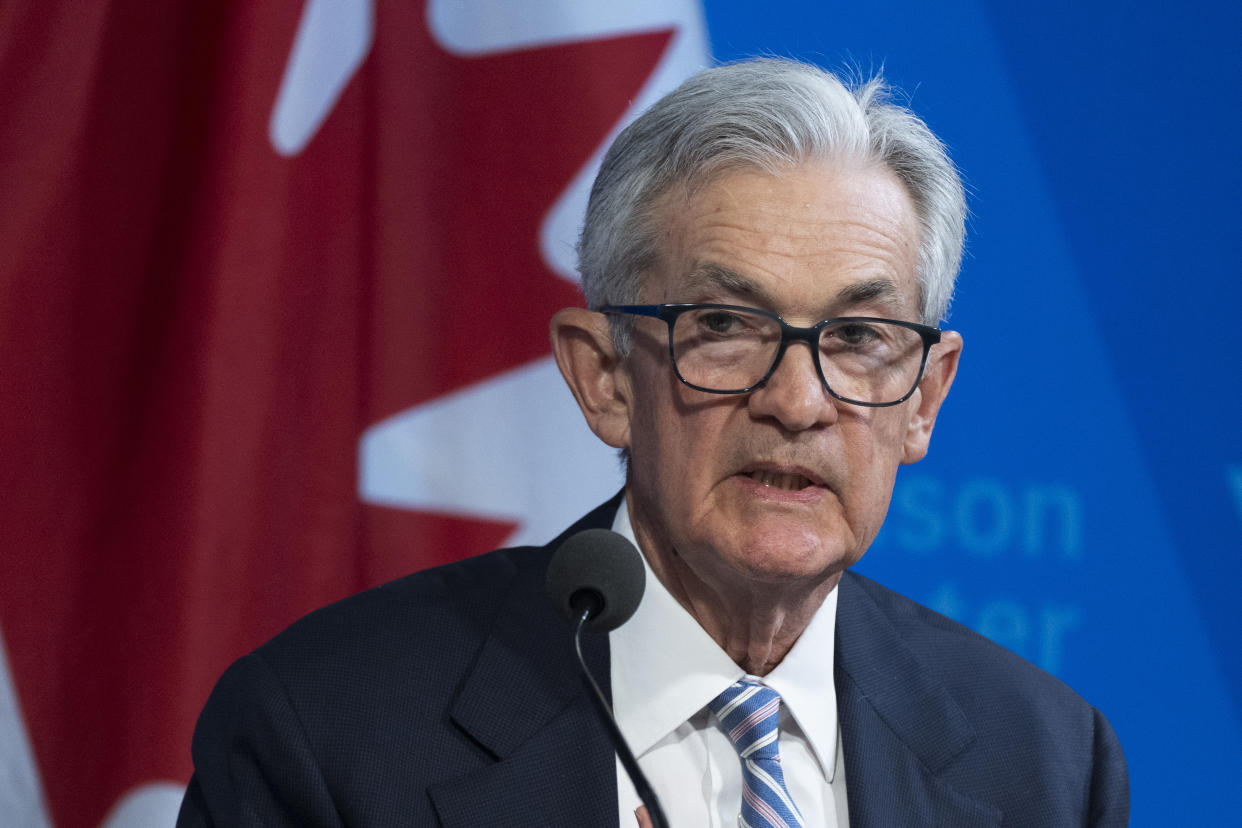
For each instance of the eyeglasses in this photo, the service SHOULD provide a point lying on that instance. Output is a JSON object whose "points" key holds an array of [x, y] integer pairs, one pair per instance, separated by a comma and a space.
{"points": [[728, 349]]}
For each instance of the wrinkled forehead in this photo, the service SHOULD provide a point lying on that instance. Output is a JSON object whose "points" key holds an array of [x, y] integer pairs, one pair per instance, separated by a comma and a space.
{"points": [[824, 234], [882, 295]]}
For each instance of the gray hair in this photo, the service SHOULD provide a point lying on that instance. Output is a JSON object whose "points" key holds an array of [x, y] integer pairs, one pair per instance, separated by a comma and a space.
{"points": [[768, 114]]}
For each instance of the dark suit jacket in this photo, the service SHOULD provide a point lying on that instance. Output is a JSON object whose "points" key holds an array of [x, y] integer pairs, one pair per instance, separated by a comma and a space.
{"points": [[450, 698]]}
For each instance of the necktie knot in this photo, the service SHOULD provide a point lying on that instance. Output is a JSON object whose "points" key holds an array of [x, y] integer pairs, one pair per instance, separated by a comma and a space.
{"points": [[748, 713]]}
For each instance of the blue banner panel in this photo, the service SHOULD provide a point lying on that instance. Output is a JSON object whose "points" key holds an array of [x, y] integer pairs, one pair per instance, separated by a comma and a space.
{"points": [[1082, 503]]}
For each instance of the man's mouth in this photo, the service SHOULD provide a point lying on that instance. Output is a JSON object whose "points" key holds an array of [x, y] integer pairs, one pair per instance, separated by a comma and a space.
{"points": [[788, 481]]}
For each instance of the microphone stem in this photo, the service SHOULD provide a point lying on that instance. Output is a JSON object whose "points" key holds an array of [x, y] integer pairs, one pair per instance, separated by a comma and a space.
{"points": [[641, 786]]}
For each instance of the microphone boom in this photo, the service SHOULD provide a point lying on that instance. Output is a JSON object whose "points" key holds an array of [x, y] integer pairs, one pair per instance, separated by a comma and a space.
{"points": [[596, 579]]}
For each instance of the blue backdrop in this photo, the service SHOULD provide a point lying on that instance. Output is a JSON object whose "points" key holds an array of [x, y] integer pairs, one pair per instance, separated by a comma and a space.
{"points": [[1082, 503]]}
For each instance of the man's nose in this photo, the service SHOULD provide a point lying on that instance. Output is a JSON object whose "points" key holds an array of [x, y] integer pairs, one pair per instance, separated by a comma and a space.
{"points": [[794, 394]]}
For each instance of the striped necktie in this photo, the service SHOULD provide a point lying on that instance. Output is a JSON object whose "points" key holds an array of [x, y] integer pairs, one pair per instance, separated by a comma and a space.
{"points": [[747, 713]]}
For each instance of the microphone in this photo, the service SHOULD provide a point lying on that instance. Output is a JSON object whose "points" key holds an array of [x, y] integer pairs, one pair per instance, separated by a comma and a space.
{"points": [[598, 571], [596, 579]]}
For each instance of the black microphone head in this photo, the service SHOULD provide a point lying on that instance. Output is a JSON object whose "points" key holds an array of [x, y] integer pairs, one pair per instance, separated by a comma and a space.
{"points": [[601, 565]]}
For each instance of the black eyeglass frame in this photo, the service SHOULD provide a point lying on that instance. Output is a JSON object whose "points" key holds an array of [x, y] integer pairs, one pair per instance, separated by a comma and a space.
{"points": [[669, 313]]}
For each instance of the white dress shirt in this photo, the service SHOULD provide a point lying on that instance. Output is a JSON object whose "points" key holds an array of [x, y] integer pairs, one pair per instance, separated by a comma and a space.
{"points": [[665, 670]]}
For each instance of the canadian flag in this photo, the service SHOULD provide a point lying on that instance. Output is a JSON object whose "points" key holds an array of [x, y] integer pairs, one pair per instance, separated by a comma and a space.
{"points": [[273, 329]]}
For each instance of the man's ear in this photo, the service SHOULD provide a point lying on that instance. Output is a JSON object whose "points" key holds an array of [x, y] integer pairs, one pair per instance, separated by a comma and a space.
{"points": [[933, 388], [589, 362]]}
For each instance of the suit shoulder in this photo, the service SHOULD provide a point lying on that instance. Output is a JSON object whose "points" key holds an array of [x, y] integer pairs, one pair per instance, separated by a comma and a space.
{"points": [[1022, 735], [445, 609], [971, 665], [355, 698]]}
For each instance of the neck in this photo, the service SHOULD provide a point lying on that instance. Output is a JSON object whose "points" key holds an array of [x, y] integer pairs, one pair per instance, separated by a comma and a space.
{"points": [[755, 623]]}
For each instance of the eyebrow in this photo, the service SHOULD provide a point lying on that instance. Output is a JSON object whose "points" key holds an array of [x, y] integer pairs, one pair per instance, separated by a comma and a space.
{"points": [[709, 275], [881, 291]]}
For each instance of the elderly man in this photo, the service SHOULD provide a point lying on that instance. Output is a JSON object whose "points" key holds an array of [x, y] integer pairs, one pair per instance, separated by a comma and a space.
{"points": [[765, 257]]}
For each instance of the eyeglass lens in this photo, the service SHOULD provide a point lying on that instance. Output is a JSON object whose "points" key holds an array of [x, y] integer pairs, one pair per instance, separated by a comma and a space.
{"points": [[730, 350]]}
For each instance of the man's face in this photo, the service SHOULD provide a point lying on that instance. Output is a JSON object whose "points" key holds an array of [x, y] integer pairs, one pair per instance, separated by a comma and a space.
{"points": [[784, 483]]}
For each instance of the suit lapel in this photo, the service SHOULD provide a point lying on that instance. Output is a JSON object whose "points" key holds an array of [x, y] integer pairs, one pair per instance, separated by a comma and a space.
{"points": [[524, 704], [900, 727]]}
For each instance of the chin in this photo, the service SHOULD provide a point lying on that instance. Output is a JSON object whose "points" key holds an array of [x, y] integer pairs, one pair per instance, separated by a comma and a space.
{"points": [[777, 558]]}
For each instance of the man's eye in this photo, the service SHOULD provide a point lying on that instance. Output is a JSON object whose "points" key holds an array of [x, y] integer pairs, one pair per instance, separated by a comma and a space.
{"points": [[856, 334], [720, 322]]}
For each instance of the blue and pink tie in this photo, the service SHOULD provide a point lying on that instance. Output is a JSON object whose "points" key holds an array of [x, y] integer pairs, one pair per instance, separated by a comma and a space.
{"points": [[747, 712]]}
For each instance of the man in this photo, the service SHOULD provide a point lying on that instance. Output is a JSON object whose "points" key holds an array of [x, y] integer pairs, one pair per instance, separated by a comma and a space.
{"points": [[765, 257]]}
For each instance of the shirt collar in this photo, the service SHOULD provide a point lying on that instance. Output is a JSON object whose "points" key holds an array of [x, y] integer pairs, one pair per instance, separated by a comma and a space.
{"points": [[666, 669], [806, 682]]}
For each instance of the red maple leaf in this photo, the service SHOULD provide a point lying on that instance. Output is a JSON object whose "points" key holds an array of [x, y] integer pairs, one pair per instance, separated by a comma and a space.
{"points": [[195, 331]]}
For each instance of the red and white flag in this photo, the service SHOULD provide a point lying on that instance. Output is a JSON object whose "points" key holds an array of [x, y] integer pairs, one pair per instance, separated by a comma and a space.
{"points": [[273, 329]]}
